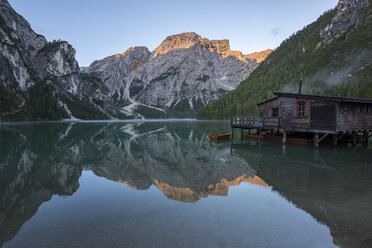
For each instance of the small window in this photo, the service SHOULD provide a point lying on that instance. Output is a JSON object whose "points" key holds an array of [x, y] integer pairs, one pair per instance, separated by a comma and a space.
{"points": [[275, 112], [365, 109], [353, 109], [301, 108]]}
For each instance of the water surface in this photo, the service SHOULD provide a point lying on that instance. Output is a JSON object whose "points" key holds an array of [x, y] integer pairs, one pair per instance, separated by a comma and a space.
{"points": [[162, 184]]}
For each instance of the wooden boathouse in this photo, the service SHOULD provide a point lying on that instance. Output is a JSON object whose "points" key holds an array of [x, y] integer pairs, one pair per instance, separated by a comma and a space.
{"points": [[312, 118]]}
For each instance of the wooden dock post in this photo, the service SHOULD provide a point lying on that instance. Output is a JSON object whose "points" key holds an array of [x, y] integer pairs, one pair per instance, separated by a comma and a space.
{"points": [[354, 138], [260, 135], [365, 138], [284, 137], [316, 140], [241, 133], [335, 140]]}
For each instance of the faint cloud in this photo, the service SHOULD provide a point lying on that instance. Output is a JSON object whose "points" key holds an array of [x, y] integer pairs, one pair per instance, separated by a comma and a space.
{"points": [[47, 31], [275, 31]]}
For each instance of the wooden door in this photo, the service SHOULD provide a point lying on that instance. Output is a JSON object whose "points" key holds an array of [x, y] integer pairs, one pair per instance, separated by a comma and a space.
{"points": [[323, 116]]}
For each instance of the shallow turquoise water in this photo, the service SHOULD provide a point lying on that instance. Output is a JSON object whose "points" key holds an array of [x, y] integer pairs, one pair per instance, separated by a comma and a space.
{"points": [[162, 184]]}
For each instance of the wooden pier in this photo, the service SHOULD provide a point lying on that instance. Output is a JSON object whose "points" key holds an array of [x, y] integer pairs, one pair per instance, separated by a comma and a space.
{"points": [[313, 118]]}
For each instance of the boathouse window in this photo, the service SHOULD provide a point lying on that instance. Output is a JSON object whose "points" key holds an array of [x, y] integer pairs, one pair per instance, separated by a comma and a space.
{"points": [[301, 108], [275, 112], [353, 109], [364, 109]]}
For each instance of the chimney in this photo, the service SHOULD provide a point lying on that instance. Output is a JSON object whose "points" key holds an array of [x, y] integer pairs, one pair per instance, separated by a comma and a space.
{"points": [[300, 87]]}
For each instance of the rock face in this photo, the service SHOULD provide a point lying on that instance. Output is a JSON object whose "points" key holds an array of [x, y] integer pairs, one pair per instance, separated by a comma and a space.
{"points": [[259, 56], [182, 74], [115, 72], [38, 79], [347, 17]]}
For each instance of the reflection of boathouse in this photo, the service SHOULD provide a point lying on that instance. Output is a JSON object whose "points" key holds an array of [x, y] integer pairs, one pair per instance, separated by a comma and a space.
{"points": [[335, 187], [311, 117]]}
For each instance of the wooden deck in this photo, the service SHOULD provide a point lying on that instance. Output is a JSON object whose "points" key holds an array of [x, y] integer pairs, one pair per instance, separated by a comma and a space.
{"points": [[276, 124]]}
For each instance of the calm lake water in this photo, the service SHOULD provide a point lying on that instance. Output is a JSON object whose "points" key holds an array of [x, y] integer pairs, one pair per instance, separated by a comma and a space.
{"points": [[162, 184]]}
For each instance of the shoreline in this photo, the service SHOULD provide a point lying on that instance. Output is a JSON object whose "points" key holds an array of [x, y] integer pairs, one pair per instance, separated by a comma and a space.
{"points": [[108, 121]]}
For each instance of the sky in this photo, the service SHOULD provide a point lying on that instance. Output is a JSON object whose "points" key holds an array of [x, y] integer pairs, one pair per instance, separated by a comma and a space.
{"points": [[97, 29]]}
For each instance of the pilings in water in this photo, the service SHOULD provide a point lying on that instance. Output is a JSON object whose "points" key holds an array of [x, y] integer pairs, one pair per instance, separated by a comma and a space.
{"points": [[316, 140], [260, 138], [334, 140], [301, 136], [354, 138], [365, 138]]}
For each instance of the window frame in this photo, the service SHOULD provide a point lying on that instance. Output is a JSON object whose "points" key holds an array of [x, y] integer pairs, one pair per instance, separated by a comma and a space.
{"points": [[301, 108], [275, 112], [365, 109]]}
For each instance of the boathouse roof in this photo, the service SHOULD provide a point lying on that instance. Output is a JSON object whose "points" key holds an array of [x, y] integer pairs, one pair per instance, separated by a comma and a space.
{"points": [[319, 97]]}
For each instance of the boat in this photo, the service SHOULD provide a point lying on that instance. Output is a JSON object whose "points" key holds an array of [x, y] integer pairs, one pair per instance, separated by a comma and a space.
{"points": [[219, 136]]}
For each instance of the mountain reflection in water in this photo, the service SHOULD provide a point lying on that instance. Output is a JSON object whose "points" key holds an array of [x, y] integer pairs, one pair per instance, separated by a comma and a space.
{"points": [[41, 160]]}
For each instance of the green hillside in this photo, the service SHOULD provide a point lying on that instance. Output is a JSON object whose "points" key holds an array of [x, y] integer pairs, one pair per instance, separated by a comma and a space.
{"points": [[340, 67]]}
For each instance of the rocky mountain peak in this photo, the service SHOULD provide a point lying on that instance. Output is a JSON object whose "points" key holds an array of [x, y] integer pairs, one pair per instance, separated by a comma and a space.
{"points": [[185, 72], [220, 46], [132, 50], [177, 41], [187, 40]]}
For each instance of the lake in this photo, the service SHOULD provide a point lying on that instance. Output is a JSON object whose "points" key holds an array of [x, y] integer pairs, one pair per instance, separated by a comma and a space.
{"points": [[163, 184]]}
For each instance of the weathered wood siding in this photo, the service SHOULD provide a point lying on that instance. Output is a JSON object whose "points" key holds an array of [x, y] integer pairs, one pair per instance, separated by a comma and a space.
{"points": [[265, 108], [291, 120], [266, 112], [320, 115], [351, 117], [287, 112], [323, 115]]}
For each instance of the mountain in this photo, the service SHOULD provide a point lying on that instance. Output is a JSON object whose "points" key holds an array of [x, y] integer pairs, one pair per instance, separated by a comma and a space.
{"points": [[182, 74], [331, 55], [259, 56], [41, 80]]}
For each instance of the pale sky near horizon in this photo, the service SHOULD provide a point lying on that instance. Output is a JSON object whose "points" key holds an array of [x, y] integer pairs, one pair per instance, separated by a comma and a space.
{"points": [[97, 28]]}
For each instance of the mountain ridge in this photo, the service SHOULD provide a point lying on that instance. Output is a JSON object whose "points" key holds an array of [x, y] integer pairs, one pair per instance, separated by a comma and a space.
{"points": [[182, 74], [331, 56]]}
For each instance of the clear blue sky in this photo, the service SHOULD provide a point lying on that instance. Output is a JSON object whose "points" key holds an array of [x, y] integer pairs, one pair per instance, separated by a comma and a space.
{"points": [[99, 28]]}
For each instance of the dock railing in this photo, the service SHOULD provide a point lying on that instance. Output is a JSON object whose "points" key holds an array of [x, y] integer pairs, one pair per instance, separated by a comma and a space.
{"points": [[254, 122], [275, 123]]}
